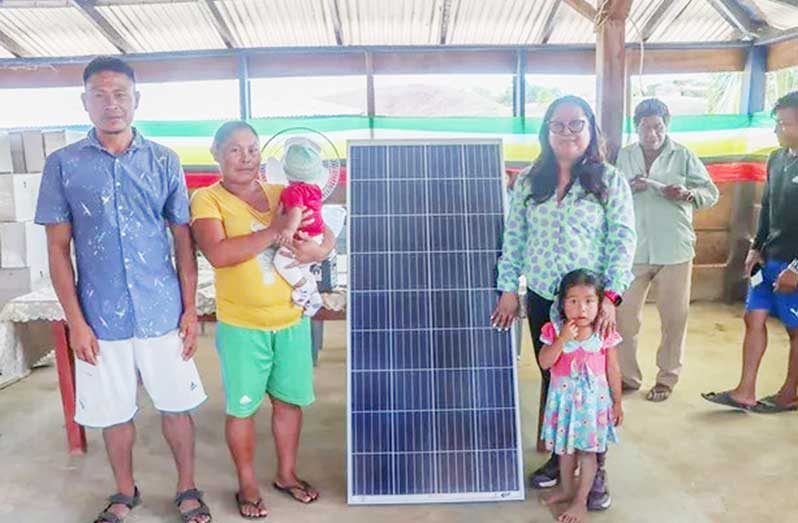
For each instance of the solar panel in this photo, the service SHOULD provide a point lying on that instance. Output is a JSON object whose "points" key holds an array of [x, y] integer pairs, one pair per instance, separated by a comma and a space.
{"points": [[432, 392]]}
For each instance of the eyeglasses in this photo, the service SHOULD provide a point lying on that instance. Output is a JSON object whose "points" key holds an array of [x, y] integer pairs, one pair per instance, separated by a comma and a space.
{"points": [[574, 126]]}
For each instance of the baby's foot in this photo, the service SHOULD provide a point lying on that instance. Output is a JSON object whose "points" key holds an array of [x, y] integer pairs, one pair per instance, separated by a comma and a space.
{"points": [[575, 513]]}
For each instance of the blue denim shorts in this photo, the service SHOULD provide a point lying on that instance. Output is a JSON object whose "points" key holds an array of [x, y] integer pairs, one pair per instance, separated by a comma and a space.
{"points": [[763, 297]]}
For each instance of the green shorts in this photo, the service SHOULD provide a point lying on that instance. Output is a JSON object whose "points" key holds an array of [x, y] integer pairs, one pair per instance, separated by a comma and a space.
{"points": [[255, 362]]}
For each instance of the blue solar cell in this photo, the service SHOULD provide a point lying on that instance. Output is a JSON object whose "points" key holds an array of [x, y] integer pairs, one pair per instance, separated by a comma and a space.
{"points": [[412, 349], [370, 350], [432, 392], [447, 196], [370, 198]]}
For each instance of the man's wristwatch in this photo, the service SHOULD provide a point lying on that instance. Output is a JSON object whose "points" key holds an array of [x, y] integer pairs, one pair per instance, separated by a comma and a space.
{"points": [[614, 297], [793, 266]]}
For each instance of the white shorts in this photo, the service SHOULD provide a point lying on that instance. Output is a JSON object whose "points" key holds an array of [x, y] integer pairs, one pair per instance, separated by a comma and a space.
{"points": [[105, 393]]}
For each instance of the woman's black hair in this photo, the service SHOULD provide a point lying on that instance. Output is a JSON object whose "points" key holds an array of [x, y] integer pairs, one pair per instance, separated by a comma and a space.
{"points": [[574, 278], [589, 169]]}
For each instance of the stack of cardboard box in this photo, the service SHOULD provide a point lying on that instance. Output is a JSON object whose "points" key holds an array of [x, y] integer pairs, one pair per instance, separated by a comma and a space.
{"points": [[23, 245]]}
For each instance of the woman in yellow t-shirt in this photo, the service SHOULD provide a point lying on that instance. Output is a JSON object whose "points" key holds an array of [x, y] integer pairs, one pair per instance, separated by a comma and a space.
{"points": [[262, 338]]}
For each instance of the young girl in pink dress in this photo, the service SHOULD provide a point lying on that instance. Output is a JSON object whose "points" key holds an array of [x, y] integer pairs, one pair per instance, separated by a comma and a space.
{"points": [[584, 401]]}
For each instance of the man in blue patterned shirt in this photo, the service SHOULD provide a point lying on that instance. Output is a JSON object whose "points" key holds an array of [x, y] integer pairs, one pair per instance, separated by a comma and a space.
{"points": [[131, 313]]}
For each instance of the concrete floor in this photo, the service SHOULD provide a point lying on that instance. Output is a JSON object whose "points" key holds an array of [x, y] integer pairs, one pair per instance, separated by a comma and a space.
{"points": [[681, 461]]}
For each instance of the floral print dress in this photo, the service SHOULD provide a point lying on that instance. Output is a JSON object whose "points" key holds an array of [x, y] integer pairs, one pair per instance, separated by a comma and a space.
{"points": [[578, 414]]}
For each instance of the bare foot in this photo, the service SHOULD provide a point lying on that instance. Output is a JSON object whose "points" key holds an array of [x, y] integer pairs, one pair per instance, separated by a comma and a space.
{"points": [[739, 398], [250, 504], [575, 513], [786, 399], [298, 489], [560, 496]]}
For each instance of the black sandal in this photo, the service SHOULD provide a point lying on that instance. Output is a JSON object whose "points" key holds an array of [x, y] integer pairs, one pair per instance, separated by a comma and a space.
{"points": [[194, 513], [302, 486], [119, 499]]}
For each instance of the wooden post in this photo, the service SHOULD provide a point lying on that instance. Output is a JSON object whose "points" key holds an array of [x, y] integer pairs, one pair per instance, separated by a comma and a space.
{"points": [[65, 364], [742, 225], [611, 71]]}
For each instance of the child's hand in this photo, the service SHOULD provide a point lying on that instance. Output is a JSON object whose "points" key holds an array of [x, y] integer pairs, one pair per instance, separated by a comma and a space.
{"points": [[569, 331], [617, 414]]}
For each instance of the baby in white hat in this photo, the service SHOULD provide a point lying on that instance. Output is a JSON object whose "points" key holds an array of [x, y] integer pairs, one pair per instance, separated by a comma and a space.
{"points": [[305, 172]]}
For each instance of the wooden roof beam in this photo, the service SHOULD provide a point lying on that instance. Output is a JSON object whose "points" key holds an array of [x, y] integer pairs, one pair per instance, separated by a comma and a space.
{"points": [[336, 20], [12, 46], [446, 13], [89, 10], [742, 15], [220, 24], [655, 20], [614, 9], [583, 8], [548, 26]]}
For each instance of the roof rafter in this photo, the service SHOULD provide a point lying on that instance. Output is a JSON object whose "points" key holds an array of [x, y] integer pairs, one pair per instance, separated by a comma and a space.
{"points": [[446, 13], [548, 26], [12, 46], [89, 10], [741, 15], [336, 21], [220, 24], [583, 8], [656, 19]]}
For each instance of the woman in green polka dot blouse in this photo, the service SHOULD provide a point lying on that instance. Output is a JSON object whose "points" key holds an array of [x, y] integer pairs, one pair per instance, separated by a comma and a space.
{"points": [[570, 210]]}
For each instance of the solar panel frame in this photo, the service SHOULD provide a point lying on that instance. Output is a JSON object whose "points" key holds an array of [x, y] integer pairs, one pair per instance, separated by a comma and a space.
{"points": [[517, 493]]}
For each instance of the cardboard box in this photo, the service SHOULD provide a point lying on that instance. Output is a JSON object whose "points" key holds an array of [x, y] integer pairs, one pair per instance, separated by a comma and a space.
{"points": [[22, 244], [17, 153], [6, 161], [54, 140], [34, 150], [23, 280], [18, 195]]}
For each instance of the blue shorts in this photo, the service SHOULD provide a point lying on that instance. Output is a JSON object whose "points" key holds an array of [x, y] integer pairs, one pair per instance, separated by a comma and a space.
{"points": [[763, 297]]}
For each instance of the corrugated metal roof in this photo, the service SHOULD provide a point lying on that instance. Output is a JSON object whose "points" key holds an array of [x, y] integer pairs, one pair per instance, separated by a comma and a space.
{"points": [[501, 22], [53, 31], [279, 23], [163, 26], [570, 27], [778, 14], [696, 21], [644, 13], [61, 28], [399, 22], [5, 54]]}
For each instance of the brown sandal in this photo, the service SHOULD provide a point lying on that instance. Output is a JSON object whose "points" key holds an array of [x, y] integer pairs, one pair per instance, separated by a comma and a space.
{"points": [[257, 505], [659, 392]]}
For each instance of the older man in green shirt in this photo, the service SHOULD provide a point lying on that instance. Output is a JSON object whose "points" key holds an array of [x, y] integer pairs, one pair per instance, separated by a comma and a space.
{"points": [[668, 182]]}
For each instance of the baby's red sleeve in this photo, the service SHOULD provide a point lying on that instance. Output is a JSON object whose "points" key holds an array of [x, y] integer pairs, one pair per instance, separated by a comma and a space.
{"points": [[292, 197]]}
